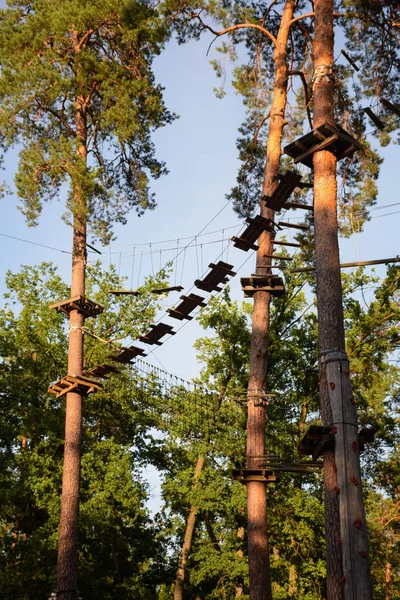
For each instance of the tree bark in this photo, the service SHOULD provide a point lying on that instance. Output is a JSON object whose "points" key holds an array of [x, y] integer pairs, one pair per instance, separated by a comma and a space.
{"points": [[292, 575], [188, 538], [239, 591], [67, 564], [347, 563], [388, 581], [257, 530]]}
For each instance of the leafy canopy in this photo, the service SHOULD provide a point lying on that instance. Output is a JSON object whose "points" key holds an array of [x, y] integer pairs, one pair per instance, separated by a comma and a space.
{"points": [[92, 59]]}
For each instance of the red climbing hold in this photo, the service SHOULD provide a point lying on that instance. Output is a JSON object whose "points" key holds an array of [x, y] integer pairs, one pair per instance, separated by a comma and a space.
{"points": [[337, 489], [340, 541], [354, 480], [354, 445], [343, 579], [363, 554], [357, 523], [352, 400], [334, 429], [332, 385], [347, 373]]}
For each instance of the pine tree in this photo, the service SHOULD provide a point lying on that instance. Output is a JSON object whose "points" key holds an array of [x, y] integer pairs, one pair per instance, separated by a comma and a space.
{"points": [[78, 95], [122, 553]]}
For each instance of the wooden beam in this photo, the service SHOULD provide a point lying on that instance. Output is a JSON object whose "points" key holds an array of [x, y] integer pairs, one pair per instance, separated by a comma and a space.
{"points": [[363, 263]]}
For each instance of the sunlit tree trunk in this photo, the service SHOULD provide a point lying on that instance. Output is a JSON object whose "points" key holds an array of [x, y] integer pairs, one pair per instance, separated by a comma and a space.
{"points": [[347, 562], [67, 564], [188, 538], [257, 530]]}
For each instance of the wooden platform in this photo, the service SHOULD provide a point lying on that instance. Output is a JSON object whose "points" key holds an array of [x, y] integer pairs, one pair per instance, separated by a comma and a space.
{"points": [[218, 274], [277, 464], [289, 181], [268, 283], [81, 304], [100, 371], [317, 440], [366, 436], [246, 475], [156, 333], [127, 354], [185, 307], [166, 290], [72, 383], [327, 137], [250, 235]]}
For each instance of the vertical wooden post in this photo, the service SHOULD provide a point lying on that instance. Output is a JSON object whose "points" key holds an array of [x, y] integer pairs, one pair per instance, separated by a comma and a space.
{"points": [[257, 529], [346, 536]]}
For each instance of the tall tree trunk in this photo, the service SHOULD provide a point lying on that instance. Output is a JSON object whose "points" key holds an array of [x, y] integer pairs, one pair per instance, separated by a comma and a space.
{"points": [[293, 591], [257, 530], [346, 535], [388, 581], [188, 538], [239, 591], [67, 564], [302, 422], [191, 522]]}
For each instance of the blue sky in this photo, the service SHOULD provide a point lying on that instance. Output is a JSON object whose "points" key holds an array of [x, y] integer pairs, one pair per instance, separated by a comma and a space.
{"points": [[200, 150]]}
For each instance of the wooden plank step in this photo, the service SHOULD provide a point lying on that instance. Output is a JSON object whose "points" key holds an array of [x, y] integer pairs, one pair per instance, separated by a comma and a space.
{"points": [[295, 225], [395, 108], [74, 383], [375, 119], [127, 354], [286, 186], [298, 205], [257, 283], [100, 371], [279, 256], [256, 227], [156, 333], [246, 475], [83, 305], [291, 244], [326, 137], [185, 307], [219, 274], [173, 288], [123, 292]]}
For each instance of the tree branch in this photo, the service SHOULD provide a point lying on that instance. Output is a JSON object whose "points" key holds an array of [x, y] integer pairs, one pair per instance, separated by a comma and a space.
{"points": [[311, 14], [307, 99], [235, 27], [300, 17], [261, 123]]}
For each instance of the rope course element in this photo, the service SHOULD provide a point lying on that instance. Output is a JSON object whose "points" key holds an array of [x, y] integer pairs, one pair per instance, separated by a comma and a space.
{"points": [[171, 402]]}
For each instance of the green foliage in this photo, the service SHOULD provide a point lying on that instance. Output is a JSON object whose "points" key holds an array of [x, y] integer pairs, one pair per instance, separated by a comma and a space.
{"points": [[121, 553], [216, 565], [78, 75]]}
